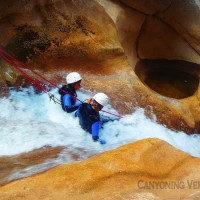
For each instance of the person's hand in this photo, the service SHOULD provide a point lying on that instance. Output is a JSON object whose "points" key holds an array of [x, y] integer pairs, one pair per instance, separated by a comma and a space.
{"points": [[89, 100], [102, 141], [95, 138]]}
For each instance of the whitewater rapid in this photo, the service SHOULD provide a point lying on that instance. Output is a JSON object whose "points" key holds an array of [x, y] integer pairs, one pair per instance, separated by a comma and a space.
{"points": [[30, 121]]}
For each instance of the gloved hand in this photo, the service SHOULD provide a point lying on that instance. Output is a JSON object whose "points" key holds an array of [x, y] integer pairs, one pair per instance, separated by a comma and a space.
{"points": [[102, 141], [95, 138]]}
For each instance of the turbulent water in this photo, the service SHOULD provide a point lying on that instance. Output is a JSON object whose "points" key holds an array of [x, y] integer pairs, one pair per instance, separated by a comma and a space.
{"points": [[31, 121]]}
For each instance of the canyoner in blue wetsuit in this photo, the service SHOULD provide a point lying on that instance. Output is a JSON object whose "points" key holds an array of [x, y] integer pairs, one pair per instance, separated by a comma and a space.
{"points": [[68, 98], [88, 114]]}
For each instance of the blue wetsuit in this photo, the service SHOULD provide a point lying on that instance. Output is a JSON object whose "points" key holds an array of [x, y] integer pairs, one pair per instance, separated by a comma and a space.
{"points": [[89, 120], [68, 99]]}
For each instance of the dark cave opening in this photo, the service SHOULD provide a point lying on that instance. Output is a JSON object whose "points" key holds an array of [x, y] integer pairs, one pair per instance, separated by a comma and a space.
{"points": [[174, 79]]}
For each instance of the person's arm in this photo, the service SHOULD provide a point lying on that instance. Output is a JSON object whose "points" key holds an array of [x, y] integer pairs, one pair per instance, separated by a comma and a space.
{"points": [[82, 115], [95, 131], [67, 104]]}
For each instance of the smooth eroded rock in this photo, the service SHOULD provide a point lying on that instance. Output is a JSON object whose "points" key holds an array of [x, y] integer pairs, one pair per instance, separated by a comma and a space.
{"points": [[126, 172]]}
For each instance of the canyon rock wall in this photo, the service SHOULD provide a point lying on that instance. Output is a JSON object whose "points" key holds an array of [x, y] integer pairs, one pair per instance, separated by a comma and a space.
{"points": [[113, 44]]}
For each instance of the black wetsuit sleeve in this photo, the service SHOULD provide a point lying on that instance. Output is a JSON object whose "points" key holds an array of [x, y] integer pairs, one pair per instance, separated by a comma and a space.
{"points": [[82, 114], [83, 117], [70, 109]]}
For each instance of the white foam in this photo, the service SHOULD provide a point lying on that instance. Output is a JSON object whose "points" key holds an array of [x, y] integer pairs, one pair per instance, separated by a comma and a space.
{"points": [[30, 121]]}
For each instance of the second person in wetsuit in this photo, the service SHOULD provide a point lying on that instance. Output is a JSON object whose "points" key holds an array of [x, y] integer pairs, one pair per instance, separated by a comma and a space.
{"points": [[88, 113]]}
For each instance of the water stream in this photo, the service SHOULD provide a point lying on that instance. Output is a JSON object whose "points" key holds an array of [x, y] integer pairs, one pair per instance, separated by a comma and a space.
{"points": [[31, 121]]}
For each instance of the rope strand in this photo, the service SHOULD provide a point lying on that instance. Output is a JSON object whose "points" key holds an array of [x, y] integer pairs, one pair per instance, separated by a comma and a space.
{"points": [[18, 65], [23, 65]]}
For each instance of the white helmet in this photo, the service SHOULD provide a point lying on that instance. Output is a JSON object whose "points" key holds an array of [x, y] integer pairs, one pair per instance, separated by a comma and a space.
{"points": [[101, 98], [73, 77]]}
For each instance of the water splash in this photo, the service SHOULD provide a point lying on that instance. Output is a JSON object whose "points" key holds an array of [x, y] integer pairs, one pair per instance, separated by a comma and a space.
{"points": [[30, 121]]}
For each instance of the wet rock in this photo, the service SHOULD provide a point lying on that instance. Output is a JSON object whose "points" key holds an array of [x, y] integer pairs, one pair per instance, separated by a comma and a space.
{"points": [[104, 41], [157, 31], [148, 168], [148, 7], [170, 29], [12, 167]]}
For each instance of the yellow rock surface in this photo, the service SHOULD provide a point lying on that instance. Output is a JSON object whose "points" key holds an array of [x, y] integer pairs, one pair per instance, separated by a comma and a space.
{"points": [[124, 173]]}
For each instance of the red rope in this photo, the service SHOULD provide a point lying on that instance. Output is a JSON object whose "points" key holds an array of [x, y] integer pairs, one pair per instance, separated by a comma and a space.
{"points": [[112, 114], [23, 65], [32, 80], [16, 63]]}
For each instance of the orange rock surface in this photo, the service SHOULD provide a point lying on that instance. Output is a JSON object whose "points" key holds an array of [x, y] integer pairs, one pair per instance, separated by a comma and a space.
{"points": [[125, 173], [104, 40]]}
